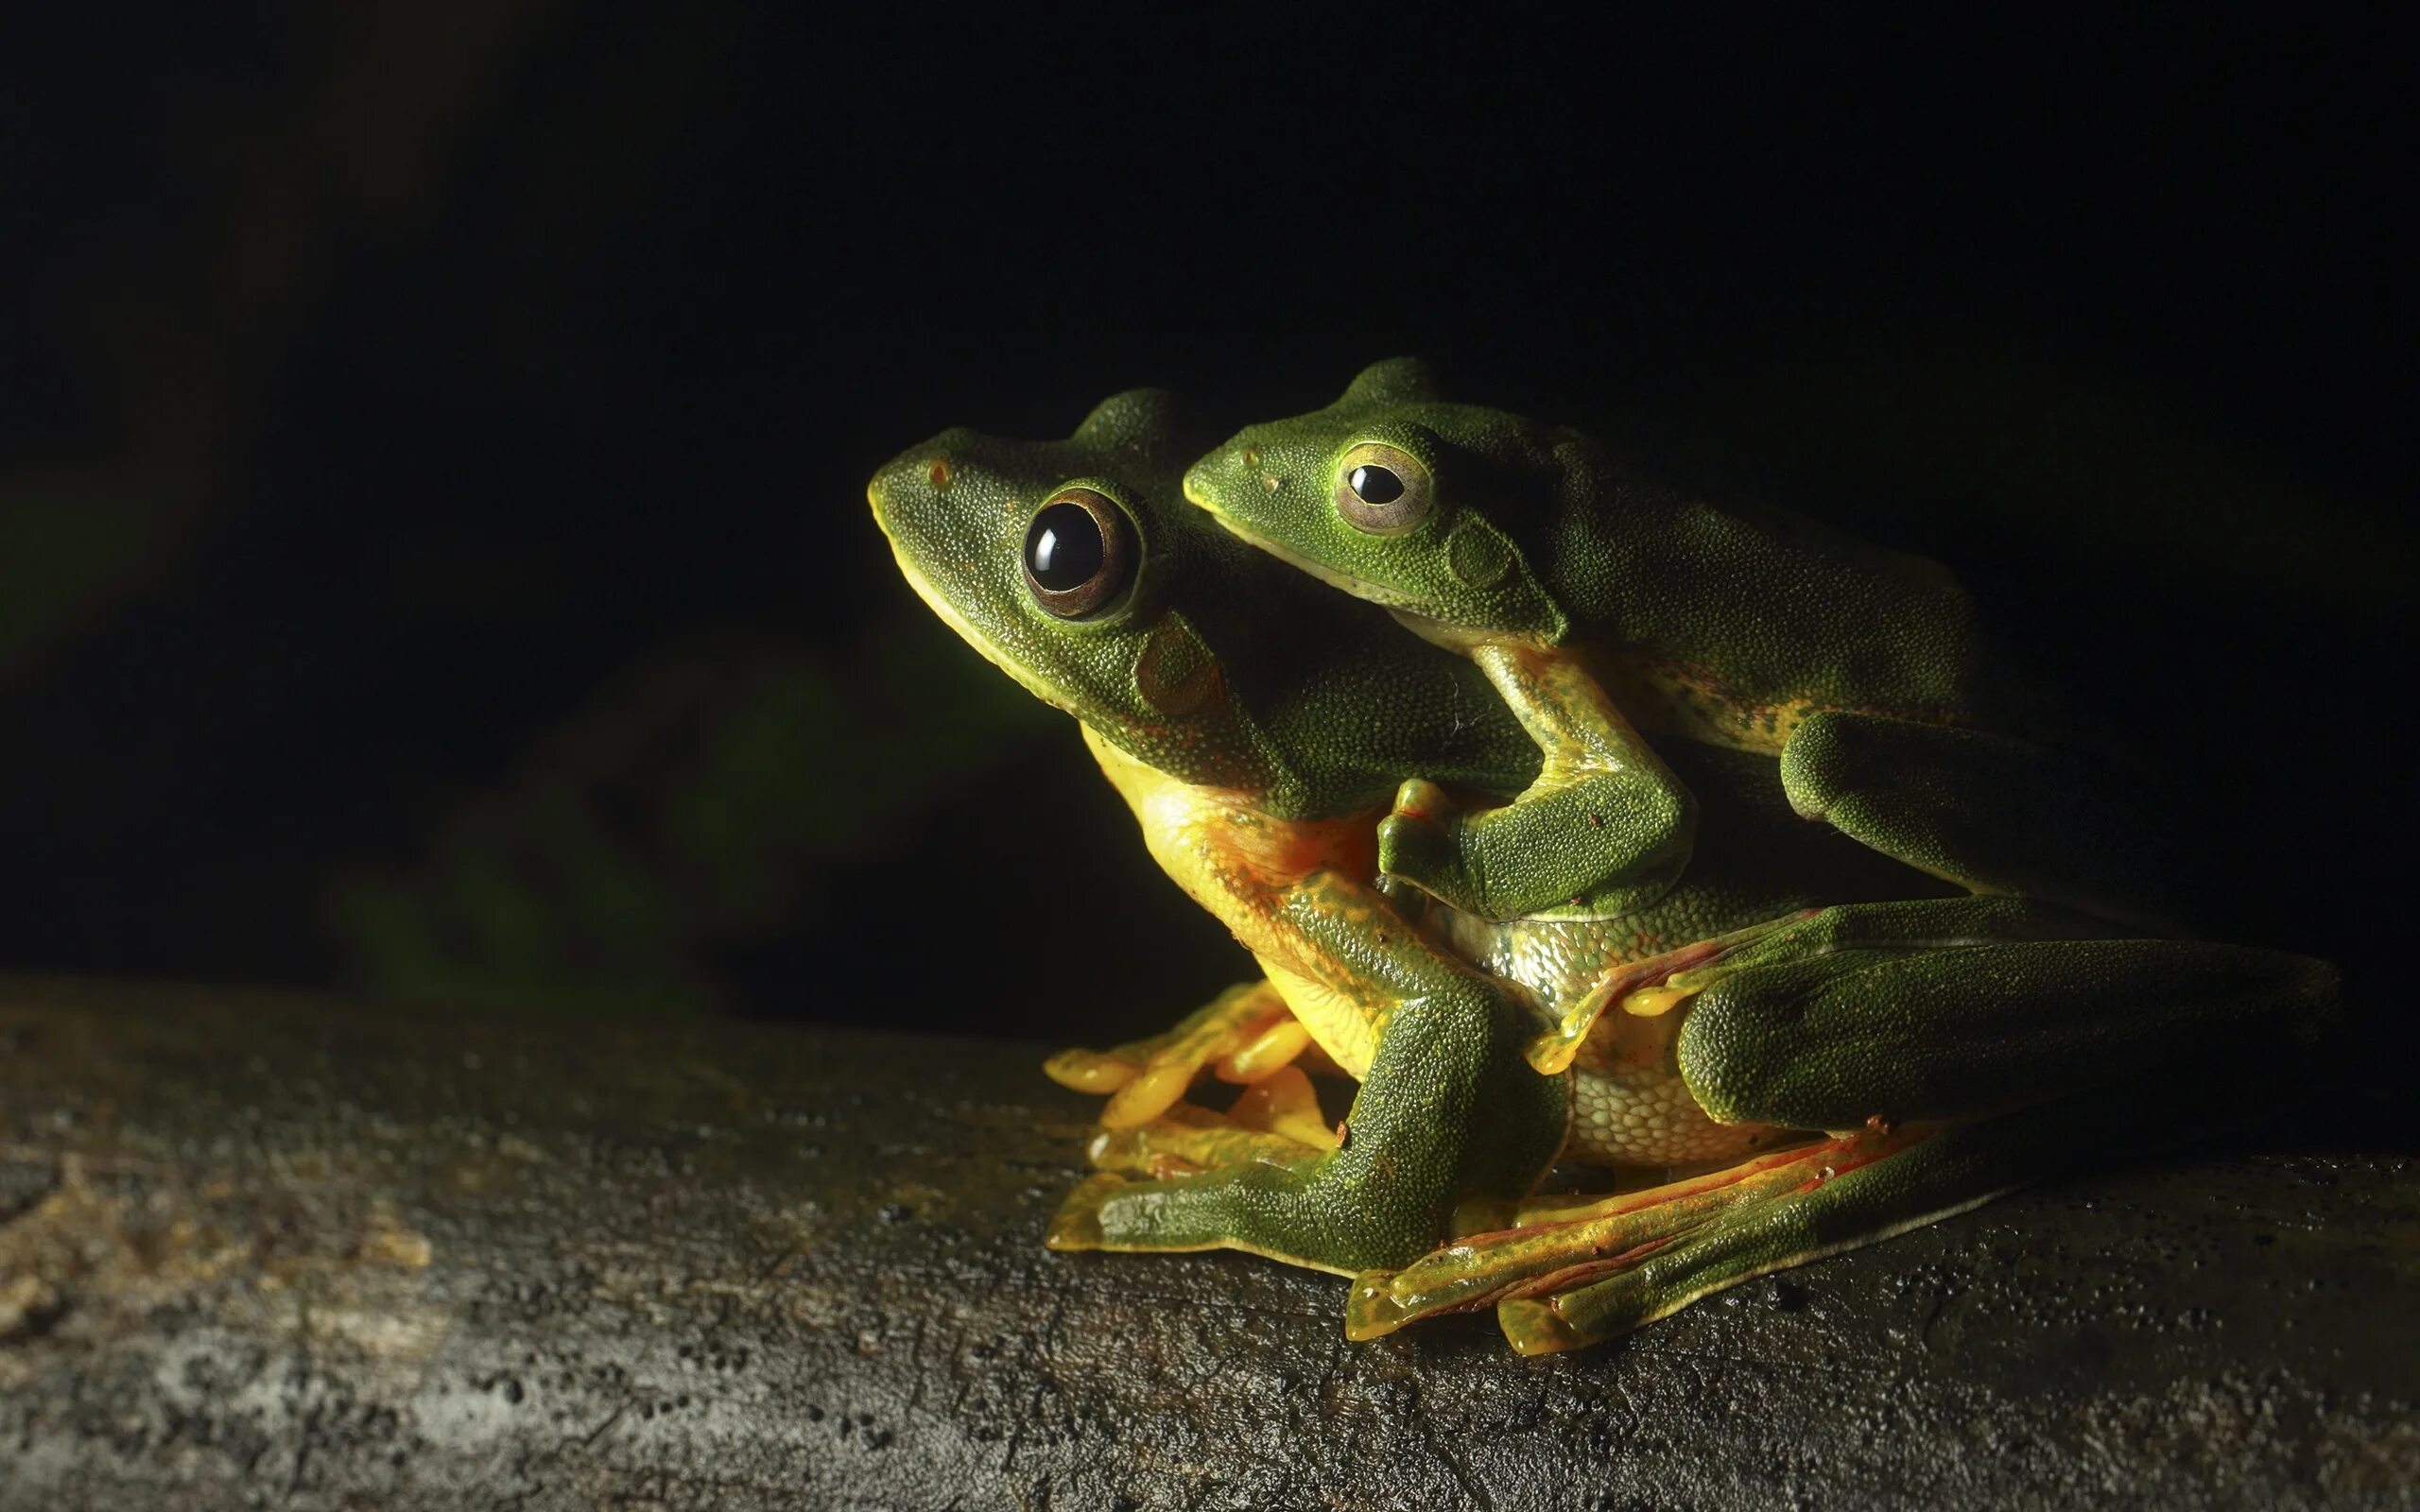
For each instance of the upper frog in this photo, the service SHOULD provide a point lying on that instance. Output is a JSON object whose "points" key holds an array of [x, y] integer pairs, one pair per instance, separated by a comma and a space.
{"points": [[1596, 602], [1727, 622]]}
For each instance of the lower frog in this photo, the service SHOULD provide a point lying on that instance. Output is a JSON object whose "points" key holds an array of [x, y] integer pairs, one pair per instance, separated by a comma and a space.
{"points": [[1795, 986]]}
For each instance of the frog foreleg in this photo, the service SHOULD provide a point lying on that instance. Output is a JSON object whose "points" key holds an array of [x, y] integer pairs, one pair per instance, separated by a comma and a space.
{"points": [[1604, 831], [1448, 1112]]}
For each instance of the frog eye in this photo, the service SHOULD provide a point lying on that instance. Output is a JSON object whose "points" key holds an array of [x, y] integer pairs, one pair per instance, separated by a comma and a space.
{"points": [[1078, 553], [1382, 490]]}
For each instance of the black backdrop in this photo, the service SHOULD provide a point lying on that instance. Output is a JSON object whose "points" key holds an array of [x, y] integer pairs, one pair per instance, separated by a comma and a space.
{"points": [[433, 437]]}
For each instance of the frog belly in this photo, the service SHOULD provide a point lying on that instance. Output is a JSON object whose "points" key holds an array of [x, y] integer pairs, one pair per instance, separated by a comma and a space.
{"points": [[1644, 1115]]}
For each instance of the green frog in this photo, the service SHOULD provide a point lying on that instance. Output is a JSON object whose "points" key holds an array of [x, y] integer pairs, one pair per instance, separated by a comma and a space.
{"points": [[1799, 999], [1599, 604]]}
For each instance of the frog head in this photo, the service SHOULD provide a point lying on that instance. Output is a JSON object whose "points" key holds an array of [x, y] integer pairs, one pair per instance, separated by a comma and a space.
{"points": [[1397, 496], [1058, 560]]}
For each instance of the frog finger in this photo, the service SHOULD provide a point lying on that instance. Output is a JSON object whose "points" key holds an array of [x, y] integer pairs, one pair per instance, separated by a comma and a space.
{"points": [[1187, 1140], [1276, 1048], [1285, 1103]]}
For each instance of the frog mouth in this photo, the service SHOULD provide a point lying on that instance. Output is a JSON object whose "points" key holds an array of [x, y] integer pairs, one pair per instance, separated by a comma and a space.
{"points": [[948, 613], [1359, 588], [1418, 617]]}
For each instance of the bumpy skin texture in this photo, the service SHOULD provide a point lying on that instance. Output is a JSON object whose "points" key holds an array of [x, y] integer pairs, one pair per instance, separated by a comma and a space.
{"points": [[1749, 1004], [1744, 619], [1592, 598]]}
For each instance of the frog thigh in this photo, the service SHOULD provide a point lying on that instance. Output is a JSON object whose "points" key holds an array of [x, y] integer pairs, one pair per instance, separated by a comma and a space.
{"points": [[1989, 813], [1955, 1008]]}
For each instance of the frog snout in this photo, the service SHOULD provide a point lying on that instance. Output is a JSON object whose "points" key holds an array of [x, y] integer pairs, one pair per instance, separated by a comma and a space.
{"points": [[1197, 483], [1202, 480]]}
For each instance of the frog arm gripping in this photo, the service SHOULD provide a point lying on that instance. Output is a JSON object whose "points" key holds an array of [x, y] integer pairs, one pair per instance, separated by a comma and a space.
{"points": [[1604, 831]]}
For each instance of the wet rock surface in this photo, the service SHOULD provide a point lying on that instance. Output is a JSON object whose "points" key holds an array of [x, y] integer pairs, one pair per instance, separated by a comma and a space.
{"points": [[268, 1252]]}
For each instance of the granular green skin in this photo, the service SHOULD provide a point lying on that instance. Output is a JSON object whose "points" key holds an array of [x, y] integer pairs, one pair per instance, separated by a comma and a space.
{"points": [[1753, 608], [1599, 603], [1240, 699]]}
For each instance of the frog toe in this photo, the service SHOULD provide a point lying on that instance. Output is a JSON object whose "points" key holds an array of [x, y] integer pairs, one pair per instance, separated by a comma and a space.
{"points": [[1076, 1224]]}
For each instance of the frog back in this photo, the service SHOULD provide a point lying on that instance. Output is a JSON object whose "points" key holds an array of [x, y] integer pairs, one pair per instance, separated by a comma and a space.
{"points": [[1730, 623]]}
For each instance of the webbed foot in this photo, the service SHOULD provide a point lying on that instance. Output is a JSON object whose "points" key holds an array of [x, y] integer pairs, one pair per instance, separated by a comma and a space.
{"points": [[1558, 1247], [1244, 1035]]}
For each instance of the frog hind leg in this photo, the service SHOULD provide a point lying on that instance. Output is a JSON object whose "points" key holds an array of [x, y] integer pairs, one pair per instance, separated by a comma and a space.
{"points": [[1449, 1115], [1894, 1021], [1837, 1196], [1956, 1008], [1986, 812]]}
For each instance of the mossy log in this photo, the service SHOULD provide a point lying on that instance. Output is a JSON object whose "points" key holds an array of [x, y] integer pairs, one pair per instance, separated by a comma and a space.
{"points": [[258, 1252]]}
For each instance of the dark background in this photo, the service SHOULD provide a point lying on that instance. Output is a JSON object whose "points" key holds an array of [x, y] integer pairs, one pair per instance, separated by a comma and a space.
{"points": [[433, 554]]}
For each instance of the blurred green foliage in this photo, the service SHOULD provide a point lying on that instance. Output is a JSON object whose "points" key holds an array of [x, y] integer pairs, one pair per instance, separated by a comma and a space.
{"points": [[691, 806]]}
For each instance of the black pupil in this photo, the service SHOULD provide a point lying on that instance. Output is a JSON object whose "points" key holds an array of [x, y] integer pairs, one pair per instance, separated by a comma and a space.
{"points": [[1375, 484], [1063, 549]]}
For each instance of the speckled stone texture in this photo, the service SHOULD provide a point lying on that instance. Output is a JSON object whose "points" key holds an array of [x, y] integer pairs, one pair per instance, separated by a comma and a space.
{"points": [[262, 1252]]}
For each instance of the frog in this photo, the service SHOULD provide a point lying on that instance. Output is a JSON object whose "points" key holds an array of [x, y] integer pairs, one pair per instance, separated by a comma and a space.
{"points": [[1910, 1102], [1601, 604]]}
